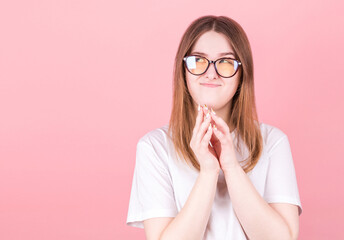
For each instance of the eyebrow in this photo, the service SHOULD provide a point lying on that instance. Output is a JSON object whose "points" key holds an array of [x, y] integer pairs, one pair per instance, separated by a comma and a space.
{"points": [[221, 54]]}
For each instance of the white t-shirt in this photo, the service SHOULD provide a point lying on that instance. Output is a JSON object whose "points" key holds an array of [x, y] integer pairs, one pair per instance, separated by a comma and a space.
{"points": [[162, 181]]}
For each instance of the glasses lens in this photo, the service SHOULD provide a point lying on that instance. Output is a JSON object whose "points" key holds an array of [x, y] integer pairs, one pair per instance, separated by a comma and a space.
{"points": [[196, 65], [226, 67]]}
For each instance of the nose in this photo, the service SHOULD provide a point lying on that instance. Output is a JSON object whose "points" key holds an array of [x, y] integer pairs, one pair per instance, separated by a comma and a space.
{"points": [[211, 72]]}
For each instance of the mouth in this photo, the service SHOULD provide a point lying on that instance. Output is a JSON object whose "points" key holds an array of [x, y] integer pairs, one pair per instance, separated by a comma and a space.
{"points": [[210, 85]]}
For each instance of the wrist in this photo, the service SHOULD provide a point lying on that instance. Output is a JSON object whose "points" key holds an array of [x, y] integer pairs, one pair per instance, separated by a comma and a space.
{"points": [[210, 171], [231, 167]]}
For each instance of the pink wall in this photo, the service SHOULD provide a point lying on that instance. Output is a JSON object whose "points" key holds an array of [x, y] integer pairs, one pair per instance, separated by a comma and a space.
{"points": [[73, 106]]}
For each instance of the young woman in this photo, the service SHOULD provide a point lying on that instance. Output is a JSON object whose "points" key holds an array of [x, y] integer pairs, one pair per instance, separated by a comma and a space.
{"points": [[214, 172]]}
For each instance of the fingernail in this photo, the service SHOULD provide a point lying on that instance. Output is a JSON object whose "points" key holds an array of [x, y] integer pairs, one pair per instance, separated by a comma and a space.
{"points": [[205, 106], [199, 107], [209, 128], [207, 116], [214, 127], [213, 111]]}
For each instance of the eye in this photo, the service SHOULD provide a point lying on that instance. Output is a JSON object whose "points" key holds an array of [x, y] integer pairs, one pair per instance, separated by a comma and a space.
{"points": [[230, 61], [199, 59]]}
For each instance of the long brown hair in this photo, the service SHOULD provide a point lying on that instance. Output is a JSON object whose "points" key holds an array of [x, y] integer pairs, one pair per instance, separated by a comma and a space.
{"points": [[243, 114]]}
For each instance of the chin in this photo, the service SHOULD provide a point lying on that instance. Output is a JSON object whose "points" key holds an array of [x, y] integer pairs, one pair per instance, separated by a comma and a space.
{"points": [[211, 104], [215, 104]]}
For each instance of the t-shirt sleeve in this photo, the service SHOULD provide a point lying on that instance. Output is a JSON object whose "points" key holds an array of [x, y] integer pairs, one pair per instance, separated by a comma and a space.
{"points": [[152, 192], [281, 184]]}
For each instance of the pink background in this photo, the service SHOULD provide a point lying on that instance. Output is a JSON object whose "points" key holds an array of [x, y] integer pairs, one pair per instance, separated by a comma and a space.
{"points": [[73, 106]]}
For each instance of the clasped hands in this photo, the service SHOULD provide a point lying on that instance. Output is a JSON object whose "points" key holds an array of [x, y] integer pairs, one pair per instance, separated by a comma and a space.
{"points": [[210, 128]]}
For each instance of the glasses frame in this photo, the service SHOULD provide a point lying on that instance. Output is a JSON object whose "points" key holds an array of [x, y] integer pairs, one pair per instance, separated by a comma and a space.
{"points": [[210, 62]]}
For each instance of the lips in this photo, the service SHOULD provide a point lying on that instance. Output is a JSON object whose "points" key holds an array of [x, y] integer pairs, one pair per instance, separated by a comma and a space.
{"points": [[210, 85]]}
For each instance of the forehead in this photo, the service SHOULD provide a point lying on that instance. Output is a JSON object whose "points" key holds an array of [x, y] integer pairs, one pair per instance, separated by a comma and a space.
{"points": [[212, 44]]}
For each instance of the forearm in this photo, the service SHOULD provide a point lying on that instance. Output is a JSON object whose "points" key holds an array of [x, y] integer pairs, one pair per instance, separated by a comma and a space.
{"points": [[259, 220], [191, 221]]}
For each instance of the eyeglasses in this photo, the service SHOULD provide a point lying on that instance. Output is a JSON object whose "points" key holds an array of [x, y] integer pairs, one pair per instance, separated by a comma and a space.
{"points": [[225, 67]]}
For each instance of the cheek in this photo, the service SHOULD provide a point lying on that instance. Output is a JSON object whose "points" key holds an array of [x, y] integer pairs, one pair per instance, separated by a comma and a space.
{"points": [[227, 91], [191, 83], [230, 89], [193, 88]]}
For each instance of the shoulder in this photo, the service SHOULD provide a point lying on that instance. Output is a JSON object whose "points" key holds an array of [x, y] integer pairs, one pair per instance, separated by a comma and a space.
{"points": [[157, 136], [154, 144], [272, 136]]}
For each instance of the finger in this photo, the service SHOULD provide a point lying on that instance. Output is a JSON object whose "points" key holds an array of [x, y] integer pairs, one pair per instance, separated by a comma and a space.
{"points": [[220, 136], [205, 108], [199, 120], [211, 149], [220, 123], [213, 139], [203, 128], [207, 136]]}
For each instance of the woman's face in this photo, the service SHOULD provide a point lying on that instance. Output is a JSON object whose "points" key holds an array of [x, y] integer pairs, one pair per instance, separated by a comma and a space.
{"points": [[211, 45]]}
